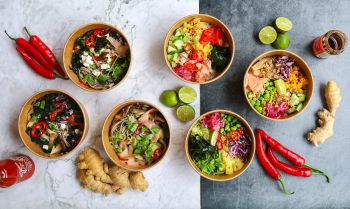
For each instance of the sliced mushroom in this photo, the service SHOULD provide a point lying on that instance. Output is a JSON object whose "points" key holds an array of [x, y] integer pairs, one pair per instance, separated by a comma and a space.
{"points": [[56, 149]]}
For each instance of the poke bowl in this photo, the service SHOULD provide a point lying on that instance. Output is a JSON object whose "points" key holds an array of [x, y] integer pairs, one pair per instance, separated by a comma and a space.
{"points": [[136, 135], [97, 57], [220, 145], [52, 123], [199, 49], [278, 85]]}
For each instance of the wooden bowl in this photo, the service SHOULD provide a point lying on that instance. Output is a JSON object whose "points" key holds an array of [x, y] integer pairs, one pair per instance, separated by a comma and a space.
{"points": [[223, 177], [208, 19], [105, 136], [302, 66], [68, 51], [23, 120]]}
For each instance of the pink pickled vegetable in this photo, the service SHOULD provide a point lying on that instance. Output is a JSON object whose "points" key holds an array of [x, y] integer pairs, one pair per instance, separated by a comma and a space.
{"points": [[213, 122], [276, 110]]}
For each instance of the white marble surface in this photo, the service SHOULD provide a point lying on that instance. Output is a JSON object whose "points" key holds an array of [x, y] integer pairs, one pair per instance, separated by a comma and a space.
{"points": [[173, 183]]}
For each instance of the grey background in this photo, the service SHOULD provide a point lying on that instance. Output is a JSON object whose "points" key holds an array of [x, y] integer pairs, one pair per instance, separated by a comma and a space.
{"points": [[254, 189]]}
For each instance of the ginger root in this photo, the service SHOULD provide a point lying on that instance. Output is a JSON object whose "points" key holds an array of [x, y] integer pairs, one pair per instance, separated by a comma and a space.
{"points": [[138, 181], [96, 175], [326, 117]]}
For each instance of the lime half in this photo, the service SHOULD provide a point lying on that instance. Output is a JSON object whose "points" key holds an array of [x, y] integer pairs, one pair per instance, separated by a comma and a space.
{"points": [[282, 41], [169, 98], [185, 113], [283, 24], [187, 94], [267, 35]]}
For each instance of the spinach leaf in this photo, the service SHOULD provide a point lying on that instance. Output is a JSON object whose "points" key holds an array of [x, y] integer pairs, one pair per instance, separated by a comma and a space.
{"points": [[220, 57], [101, 42], [102, 79]]}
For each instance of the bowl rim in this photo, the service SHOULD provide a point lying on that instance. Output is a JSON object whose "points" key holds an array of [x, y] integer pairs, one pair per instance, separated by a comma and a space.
{"points": [[65, 50], [265, 54], [171, 31], [105, 138], [50, 91], [212, 177]]}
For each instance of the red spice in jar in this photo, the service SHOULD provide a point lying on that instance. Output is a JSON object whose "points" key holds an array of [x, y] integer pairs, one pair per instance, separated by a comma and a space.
{"points": [[331, 43]]}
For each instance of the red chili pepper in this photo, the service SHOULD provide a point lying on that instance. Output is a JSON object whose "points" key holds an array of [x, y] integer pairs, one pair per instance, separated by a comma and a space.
{"points": [[234, 134], [187, 47], [90, 41], [35, 66], [285, 152], [53, 114], [292, 170], [31, 51], [72, 119], [189, 66], [38, 129], [278, 147], [84, 83], [219, 145], [193, 55], [155, 155], [99, 32], [45, 52], [266, 164]]}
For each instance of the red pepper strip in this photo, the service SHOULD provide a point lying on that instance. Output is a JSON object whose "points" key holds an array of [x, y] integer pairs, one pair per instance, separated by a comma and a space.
{"points": [[234, 134], [219, 145], [53, 114], [155, 154], [123, 159], [35, 66], [97, 58], [36, 131], [90, 41], [266, 164], [285, 152], [25, 45], [72, 119], [295, 171], [45, 52], [98, 32]]}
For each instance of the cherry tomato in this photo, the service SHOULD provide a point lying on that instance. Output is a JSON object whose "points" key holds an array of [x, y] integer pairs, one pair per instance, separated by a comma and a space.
{"points": [[219, 145], [155, 154]]}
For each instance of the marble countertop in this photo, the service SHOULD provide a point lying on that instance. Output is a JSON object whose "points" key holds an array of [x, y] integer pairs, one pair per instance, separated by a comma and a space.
{"points": [[173, 183]]}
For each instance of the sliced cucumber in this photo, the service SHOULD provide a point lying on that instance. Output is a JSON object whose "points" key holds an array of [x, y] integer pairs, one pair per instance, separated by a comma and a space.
{"points": [[173, 64], [170, 57], [175, 57], [171, 49], [302, 97], [280, 86], [186, 38], [177, 33], [294, 99], [178, 44], [291, 110], [299, 107]]}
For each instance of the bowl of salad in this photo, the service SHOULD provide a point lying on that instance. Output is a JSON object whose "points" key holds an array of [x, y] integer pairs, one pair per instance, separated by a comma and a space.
{"points": [[136, 135], [199, 49], [52, 123], [278, 85], [220, 145], [97, 57]]}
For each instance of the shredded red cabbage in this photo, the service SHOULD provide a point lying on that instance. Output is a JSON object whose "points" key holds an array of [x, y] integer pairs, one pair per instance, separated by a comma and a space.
{"points": [[286, 65], [213, 122], [276, 110], [182, 72], [240, 147]]}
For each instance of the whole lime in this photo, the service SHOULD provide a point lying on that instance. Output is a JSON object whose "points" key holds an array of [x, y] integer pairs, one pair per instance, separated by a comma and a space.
{"points": [[169, 98], [282, 41]]}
